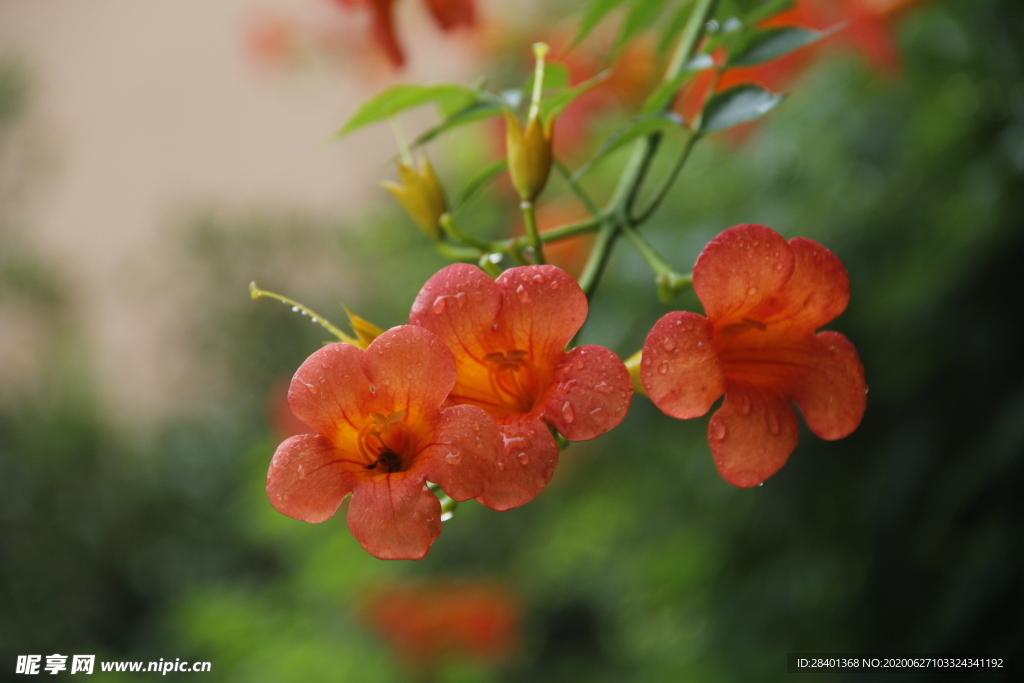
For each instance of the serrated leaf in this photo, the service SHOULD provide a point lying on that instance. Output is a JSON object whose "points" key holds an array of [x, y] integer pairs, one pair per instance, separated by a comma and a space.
{"points": [[638, 128], [772, 43], [484, 176], [737, 105], [449, 98], [595, 13], [552, 106], [471, 114]]}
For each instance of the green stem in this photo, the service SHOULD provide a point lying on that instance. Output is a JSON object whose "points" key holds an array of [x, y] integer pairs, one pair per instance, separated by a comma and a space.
{"points": [[640, 163], [454, 252], [257, 293], [668, 280], [669, 181], [532, 234], [563, 232], [574, 185], [452, 229]]}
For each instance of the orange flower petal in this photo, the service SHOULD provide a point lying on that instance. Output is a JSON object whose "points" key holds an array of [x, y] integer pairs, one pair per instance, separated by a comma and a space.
{"points": [[411, 370], [543, 308], [462, 457], [680, 369], [524, 467], [306, 480], [394, 516], [740, 269], [589, 393], [330, 389], [832, 394], [752, 434], [460, 304], [816, 293]]}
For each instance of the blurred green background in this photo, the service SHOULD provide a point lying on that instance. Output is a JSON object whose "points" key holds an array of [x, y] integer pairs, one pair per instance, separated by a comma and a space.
{"points": [[638, 562]]}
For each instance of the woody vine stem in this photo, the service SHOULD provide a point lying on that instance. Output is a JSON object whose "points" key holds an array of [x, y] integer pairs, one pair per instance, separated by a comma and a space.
{"points": [[619, 217]]}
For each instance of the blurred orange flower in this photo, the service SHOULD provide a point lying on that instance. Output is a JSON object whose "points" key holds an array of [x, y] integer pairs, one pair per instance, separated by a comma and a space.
{"points": [[426, 624], [448, 14], [866, 29]]}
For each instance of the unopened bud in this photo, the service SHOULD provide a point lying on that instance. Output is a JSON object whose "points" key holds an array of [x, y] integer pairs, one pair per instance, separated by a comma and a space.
{"points": [[421, 195], [529, 154]]}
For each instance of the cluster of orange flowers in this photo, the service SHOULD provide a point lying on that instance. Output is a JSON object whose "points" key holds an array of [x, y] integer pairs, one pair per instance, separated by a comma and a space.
{"points": [[470, 394], [474, 394]]}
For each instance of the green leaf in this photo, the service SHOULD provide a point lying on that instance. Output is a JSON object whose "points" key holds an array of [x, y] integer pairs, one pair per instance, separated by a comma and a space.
{"points": [[595, 13], [556, 76], [664, 93], [772, 43], [449, 98], [737, 105], [471, 114], [768, 8], [674, 28], [553, 106], [484, 176], [638, 128], [641, 15]]}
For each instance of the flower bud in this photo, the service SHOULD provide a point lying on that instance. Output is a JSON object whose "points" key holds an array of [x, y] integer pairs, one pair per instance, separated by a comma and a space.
{"points": [[421, 195], [529, 154]]}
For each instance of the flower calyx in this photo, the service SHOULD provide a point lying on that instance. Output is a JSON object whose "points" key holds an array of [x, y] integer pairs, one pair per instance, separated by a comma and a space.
{"points": [[529, 149], [421, 195]]}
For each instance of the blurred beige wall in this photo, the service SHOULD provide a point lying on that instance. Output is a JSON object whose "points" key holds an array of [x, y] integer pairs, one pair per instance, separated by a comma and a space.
{"points": [[150, 108]]}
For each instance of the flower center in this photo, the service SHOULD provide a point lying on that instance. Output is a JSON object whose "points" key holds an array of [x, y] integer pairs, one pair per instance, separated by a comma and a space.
{"points": [[513, 379], [384, 442]]}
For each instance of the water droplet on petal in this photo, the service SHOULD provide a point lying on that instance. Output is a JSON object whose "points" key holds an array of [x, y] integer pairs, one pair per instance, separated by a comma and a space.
{"points": [[745, 406], [567, 413], [312, 388], [501, 465], [663, 368], [778, 266], [523, 294], [718, 430], [604, 387], [773, 424], [752, 291], [454, 456], [553, 285], [460, 300], [524, 459], [580, 365], [754, 243], [668, 344], [538, 278], [439, 305], [300, 472]]}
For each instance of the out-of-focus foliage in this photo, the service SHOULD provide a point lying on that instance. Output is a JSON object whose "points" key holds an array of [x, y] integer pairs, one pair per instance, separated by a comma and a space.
{"points": [[638, 562]]}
